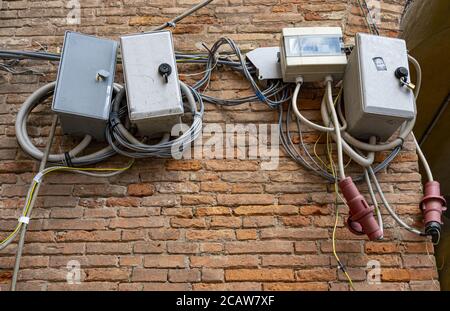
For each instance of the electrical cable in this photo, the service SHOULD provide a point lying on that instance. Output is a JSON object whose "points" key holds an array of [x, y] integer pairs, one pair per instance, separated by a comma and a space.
{"points": [[337, 129], [38, 180], [123, 142], [389, 208], [333, 236], [174, 21], [37, 98], [30, 208], [286, 141], [374, 201]]}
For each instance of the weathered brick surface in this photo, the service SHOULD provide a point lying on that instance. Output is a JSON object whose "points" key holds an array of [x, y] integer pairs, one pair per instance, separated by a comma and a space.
{"points": [[196, 224]]}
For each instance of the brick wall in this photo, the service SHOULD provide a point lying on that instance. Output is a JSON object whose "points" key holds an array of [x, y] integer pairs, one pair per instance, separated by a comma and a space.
{"points": [[195, 224]]}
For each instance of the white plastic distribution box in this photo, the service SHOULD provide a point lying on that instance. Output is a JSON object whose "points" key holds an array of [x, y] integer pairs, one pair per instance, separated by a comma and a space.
{"points": [[151, 80], [376, 103], [84, 85], [312, 53]]}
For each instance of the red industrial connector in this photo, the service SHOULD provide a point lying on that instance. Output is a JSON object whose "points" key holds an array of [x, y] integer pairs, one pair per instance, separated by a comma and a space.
{"points": [[361, 218], [432, 206]]}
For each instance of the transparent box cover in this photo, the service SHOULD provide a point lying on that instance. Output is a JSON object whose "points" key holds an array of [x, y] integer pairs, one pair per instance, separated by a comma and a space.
{"points": [[304, 46]]}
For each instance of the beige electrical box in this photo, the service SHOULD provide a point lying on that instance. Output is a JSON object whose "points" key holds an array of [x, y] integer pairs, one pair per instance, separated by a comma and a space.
{"points": [[376, 103], [312, 53], [153, 90]]}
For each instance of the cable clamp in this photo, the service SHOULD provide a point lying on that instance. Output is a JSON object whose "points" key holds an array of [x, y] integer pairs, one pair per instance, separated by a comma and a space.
{"points": [[24, 220], [38, 177], [114, 122], [68, 159], [171, 24]]}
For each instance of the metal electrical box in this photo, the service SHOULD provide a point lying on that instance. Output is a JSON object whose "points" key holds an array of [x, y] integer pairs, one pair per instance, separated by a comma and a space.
{"points": [[151, 80], [84, 84], [376, 103], [312, 53]]}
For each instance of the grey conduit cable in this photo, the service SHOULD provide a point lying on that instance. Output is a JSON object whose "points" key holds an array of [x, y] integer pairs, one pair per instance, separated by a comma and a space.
{"points": [[173, 22], [125, 143], [389, 208], [297, 112], [27, 145], [296, 156], [423, 159], [337, 131], [363, 161], [419, 151], [374, 200]]}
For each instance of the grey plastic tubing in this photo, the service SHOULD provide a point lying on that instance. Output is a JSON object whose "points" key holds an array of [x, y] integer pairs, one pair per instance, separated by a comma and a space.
{"points": [[135, 141], [27, 145]]}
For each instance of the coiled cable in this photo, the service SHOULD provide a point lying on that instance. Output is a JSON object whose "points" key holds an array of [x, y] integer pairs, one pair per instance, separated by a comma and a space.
{"points": [[37, 98], [124, 142]]}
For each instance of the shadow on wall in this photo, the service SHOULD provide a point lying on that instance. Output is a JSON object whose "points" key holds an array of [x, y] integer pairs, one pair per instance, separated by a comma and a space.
{"points": [[426, 29]]}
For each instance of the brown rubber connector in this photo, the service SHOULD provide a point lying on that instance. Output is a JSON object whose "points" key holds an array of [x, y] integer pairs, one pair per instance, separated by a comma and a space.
{"points": [[432, 204], [360, 211]]}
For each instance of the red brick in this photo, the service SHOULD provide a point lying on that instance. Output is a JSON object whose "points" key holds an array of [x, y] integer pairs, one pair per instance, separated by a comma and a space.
{"points": [[164, 261], [234, 225], [149, 275], [212, 275], [259, 275], [181, 276], [313, 286], [140, 190], [110, 274], [316, 275], [224, 261], [174, 165]]}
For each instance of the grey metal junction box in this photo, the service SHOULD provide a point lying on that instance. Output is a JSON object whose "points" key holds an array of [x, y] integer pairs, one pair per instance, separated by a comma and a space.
{"points": [[151, 81], [84, 84], [376, 104]]}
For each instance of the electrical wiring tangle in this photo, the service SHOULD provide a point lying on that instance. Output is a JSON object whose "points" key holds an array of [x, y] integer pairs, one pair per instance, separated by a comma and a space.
{"points": [[333, 237], [25, 142], [310, 163], [90, 171], [124, 142], [267, 95]]}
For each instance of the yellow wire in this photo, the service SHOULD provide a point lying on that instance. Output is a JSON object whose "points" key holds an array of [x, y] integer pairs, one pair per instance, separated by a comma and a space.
{"points": [[328, 168], [350, 281], [58, 168], [315, 152]]}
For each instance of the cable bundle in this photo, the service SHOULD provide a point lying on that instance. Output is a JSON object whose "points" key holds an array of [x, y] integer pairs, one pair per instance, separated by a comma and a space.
{"points": [[123, 142]]}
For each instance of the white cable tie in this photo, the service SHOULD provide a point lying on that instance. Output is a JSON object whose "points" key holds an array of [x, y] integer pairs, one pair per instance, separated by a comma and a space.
{"points": [[24, 219], [38, 177]]}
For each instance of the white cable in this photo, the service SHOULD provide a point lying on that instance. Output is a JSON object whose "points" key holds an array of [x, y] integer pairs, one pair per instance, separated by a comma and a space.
{"points": [[418, 75], [423, 159], [419, 151], [302, 118], [374, 201], [346, 147], [388, 207], [329, 95], [27, 145]]}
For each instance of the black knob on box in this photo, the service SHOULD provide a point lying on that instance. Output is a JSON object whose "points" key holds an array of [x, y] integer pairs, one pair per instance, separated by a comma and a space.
{"points": [[165, 70]]}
